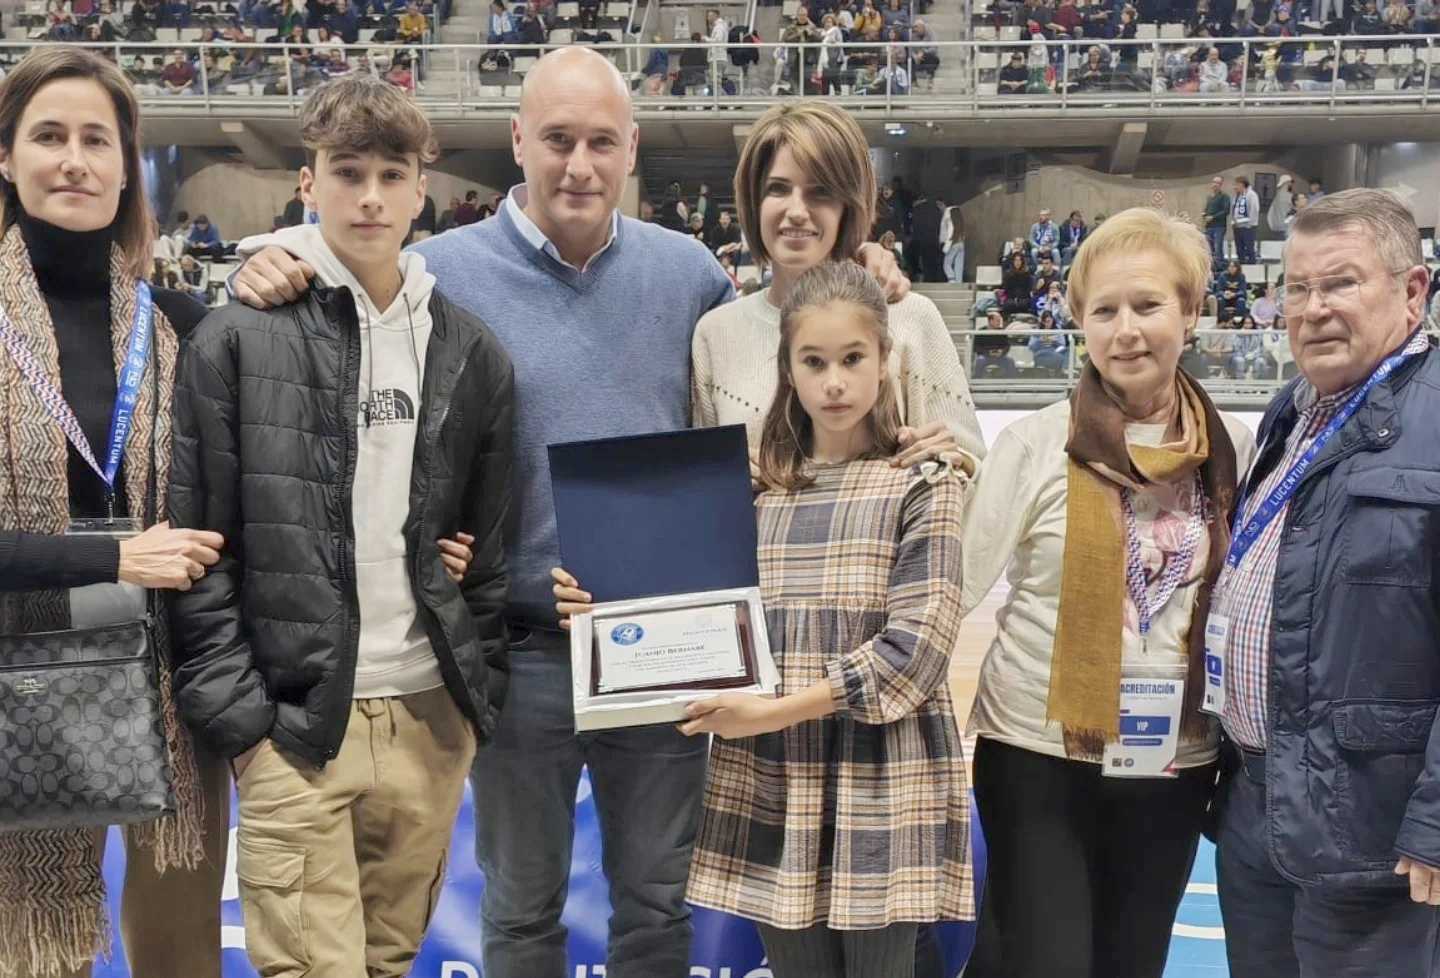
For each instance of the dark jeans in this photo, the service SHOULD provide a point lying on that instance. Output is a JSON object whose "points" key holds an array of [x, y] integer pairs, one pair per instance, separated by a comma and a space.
{"points": [[1085, 872], [1275, 928], [1245, 246], [1216, 237], [647, 785]]}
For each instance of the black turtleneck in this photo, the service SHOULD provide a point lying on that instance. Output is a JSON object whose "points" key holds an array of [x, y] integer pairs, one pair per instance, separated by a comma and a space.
{"points": [[73, 271]]}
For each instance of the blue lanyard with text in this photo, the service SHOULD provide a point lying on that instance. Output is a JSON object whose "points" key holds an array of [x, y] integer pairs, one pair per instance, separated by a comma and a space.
{"points": [[127, 393], [1245, 536]]}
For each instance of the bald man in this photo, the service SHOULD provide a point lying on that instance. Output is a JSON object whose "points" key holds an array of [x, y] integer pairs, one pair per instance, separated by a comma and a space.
{"points": [[596, 311]]}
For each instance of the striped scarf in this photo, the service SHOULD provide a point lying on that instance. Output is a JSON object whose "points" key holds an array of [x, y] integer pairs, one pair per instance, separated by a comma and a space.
{"points": [[52, 897]]}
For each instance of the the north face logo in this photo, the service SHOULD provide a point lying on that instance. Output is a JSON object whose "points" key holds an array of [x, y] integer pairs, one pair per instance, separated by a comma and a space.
{"points": [[389, 406]]}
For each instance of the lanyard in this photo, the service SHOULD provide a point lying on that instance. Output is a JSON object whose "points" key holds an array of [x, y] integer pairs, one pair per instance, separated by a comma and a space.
{"points": [[1245, 535], [1146, 602], [127, 392]]}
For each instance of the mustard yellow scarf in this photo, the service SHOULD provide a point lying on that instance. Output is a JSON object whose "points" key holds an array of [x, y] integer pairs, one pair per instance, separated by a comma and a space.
{"points": [[1085, 673]]}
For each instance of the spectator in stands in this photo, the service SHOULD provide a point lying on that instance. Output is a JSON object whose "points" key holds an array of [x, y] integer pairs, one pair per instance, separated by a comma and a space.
{"points": [[502, 27], [1397, 16], [1044, 235], [1248, 354], [179, 74], [294, 213], [832, 55], [204, 239], [992, 353], [674, 213], [1216, 217], [1046, 274], [696, 229], [60, 21], [344, 22], [717, 35], [469, 211], [1017, 284], [412, 26], [532, 31], [1014, 246], [926, 256], [896, 14], [656, 73], [1265, 309], [1359, 73], [1367, 20], [1072, 233], [317, 12], [952, 238], [925, 58], [1214, 73], [194, 278], [727, 239], [1065, 21], [401, 73], [1232, 292], [867, 20], [694, 74], [447, 216], [1052, 301], [1245, 219], [1015, 76], [1094, 75], [1049, 351]]}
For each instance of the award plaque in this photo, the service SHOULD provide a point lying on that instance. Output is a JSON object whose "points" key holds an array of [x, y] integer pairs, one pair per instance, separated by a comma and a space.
{"points": [[660, 529]]}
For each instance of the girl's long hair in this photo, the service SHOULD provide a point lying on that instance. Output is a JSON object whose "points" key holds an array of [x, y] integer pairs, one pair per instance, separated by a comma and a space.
{"points": [[787, 437]]}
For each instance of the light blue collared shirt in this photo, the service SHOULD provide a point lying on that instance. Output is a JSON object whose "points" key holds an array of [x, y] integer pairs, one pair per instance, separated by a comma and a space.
{"points": [[515, 202]]}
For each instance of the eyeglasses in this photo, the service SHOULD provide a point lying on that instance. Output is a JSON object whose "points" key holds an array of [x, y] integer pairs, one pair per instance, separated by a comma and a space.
{"points": [[1294, 297]]}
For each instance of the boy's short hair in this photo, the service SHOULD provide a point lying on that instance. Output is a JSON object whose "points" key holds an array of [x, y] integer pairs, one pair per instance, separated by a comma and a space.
{"points": [[363, 114]]}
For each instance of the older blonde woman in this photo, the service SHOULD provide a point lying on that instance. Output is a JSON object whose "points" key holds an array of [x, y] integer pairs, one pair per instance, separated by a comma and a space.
{"points": [[1111, 511]]}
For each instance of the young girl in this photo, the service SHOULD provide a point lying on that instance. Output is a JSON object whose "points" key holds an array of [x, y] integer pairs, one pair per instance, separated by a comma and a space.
{"points": [[837, 815]]}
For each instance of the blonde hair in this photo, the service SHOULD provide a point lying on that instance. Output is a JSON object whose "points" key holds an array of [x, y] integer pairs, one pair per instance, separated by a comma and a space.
{"points": [[787, 436], [1141, 229], [828, 145], [133, 226]]}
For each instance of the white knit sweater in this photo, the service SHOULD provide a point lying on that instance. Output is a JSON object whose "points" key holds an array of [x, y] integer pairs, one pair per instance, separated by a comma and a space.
{"points": [[734, 373]]}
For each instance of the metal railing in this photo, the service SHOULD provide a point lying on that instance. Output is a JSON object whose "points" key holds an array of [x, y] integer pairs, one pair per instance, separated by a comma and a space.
{"points": [[1244, 367], [1323, 74]]}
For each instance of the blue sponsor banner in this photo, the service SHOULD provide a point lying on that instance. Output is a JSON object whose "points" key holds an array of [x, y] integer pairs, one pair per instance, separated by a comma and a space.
{"points": [[725, 946]]}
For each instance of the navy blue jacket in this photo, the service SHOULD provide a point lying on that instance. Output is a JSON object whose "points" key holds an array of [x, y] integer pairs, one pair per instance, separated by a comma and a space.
{"points": [[1353, 773]]}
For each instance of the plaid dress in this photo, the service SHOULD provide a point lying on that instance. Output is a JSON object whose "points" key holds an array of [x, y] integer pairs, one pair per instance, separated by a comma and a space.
{"points": [[861, 819]]}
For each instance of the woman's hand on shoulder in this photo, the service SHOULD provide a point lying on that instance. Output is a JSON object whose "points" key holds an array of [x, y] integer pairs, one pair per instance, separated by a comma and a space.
{"points": [[880, 262], [933, 440]]}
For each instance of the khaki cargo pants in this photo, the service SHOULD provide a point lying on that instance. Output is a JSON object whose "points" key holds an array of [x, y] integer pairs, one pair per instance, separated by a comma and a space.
{"points": [[340, 869]]}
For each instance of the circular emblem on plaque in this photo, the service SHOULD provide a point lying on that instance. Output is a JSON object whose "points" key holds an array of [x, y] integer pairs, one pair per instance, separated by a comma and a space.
{"points": [[627, 634]]}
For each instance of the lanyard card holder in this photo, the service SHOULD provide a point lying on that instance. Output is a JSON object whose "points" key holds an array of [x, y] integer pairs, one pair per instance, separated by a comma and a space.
{"points": [[1152, 698]]}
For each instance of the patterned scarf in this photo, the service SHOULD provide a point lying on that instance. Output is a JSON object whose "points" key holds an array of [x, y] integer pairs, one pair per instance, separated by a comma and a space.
{"points": [[52, 897], [1085, 673]]}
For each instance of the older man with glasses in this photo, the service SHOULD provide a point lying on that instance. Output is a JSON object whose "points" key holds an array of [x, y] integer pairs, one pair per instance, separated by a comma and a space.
{"points": [[1323, 646]]}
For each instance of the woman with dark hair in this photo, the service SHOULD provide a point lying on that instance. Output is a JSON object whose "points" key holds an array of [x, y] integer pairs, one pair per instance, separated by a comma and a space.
{"points": [[76, 247], [1016, 282]]}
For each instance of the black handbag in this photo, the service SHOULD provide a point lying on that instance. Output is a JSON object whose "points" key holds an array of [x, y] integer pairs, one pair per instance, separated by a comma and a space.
{"points": [[82, 736]]}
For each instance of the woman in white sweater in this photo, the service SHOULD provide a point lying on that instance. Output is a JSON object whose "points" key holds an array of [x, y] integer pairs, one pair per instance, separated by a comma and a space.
{"points": [[805, 192], [1111, 512]]}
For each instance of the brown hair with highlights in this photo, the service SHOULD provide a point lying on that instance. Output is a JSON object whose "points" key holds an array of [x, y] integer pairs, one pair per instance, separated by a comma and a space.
{"points": [[828, 145], [134, 225], [362, 114]]}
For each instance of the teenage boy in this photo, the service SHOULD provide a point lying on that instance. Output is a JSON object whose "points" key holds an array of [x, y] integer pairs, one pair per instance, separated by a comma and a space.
{"points": [[339, 653]]}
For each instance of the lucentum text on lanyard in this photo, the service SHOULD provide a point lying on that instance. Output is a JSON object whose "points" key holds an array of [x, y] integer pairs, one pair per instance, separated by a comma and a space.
{"points": [[127, 390], [1244, 536]]}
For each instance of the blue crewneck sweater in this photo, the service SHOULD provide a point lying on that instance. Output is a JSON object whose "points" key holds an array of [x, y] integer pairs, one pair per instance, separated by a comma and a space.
{"points": [[597, 354]]}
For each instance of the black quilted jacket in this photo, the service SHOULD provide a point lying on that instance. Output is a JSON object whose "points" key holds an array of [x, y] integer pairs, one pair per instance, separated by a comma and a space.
{"points": [[265, 447]]}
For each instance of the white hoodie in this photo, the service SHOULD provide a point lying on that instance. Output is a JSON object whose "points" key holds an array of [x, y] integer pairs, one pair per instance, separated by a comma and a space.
{"points": [[395, 657]]}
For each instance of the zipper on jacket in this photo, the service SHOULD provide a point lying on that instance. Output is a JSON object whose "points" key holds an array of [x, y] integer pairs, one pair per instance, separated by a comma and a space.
{"points": [[422, 531], [349, 393]]}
